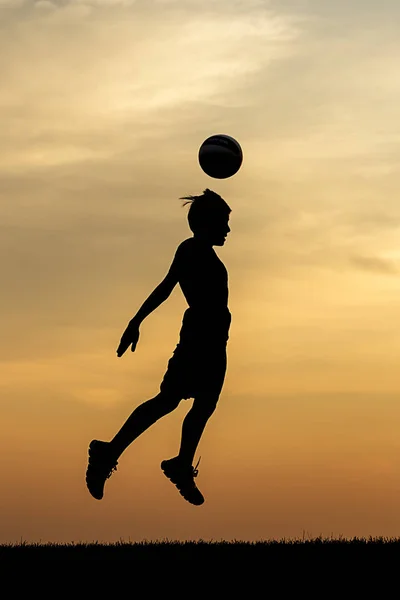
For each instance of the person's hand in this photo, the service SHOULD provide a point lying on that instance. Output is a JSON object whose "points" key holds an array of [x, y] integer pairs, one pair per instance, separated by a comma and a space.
{"points": [[130, 337]]}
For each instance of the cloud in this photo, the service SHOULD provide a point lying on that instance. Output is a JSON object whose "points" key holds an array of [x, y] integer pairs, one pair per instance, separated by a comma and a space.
{"points": [[45, 5], [103, 3], [100, 136], [375, 264], [12, 3], [124, 76]]}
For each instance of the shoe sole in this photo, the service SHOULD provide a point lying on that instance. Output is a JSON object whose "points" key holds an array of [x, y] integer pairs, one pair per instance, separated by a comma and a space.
{"points": [[170, 476], [97, 496]]}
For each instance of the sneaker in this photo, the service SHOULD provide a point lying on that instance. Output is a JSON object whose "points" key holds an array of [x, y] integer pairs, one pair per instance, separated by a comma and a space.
{"points": [[183, 477], [100, 467]]}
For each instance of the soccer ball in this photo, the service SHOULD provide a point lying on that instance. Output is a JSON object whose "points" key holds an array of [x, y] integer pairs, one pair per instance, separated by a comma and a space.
{"points": [[220, 156]]}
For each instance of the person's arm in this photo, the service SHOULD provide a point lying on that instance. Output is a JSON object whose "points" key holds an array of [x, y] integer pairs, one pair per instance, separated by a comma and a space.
{"points": [[157, 297], [161, 292], [130, 336]]}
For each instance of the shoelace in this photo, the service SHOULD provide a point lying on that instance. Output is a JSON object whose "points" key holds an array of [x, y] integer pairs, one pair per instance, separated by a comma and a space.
{"points": [[114, 468], [111, 470], [195, 470]]}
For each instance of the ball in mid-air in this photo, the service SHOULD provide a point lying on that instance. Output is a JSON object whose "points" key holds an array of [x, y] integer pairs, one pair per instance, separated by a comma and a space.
{"points": [[220, 156]]}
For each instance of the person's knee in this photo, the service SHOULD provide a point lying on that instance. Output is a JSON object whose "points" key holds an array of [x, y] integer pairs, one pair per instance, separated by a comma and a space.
{"points": [[168, 401], [205, 405]]}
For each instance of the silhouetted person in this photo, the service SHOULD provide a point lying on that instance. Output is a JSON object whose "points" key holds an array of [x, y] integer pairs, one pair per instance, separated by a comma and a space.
{"points": [[198, 365]]}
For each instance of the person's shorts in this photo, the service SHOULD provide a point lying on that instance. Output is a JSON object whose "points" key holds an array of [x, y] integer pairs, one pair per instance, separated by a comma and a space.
{"points": [[198, 364]]}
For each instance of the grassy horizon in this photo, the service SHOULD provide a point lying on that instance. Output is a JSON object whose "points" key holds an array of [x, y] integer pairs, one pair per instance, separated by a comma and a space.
{"points": [[192, 549]]}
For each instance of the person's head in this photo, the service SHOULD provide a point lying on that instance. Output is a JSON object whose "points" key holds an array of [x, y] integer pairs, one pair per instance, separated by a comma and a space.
{"points": [[208, 217]]}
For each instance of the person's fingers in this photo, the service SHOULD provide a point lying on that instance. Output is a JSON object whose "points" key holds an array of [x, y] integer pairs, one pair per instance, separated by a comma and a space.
{"points": [[134, 343], [126, 342], [121, 349]]}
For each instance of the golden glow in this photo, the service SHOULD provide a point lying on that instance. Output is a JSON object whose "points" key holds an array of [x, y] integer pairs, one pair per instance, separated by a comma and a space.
{"points": [[103, 106]]}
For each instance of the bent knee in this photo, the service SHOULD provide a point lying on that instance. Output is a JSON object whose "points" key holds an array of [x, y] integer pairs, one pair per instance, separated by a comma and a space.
{"points": [[205, 404], [170, 401]]}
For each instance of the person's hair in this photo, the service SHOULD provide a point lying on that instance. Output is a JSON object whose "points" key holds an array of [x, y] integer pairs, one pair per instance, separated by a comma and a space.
{"points": [[205, 209]]}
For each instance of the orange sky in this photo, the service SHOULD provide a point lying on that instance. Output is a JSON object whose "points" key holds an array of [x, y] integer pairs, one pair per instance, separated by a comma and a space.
{"points": [[103, 105]]}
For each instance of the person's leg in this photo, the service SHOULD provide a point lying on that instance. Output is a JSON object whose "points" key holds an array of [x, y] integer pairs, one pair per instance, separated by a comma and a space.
{"points": [[193, 425], [103, 456], [142, 418], [180, 469]]}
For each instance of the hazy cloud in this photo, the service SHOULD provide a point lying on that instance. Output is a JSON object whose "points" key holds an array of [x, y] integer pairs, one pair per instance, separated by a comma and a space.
{"points": [[116, 76], [103, 3], [45, 5], [12, 3], [101, 122], [375, 264]]}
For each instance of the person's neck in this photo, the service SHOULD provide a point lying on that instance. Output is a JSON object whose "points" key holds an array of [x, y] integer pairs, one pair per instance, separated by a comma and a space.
{"points": [[204, 240]]}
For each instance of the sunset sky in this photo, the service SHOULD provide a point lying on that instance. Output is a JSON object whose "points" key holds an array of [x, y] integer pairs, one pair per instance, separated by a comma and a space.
{"points": [[103, 106]]}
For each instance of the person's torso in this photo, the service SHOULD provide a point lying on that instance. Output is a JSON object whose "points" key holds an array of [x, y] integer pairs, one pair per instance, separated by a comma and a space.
{"points": [[203, 278]]}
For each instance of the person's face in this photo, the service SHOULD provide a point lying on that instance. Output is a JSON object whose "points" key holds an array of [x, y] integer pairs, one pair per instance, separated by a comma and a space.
{"points": [[220, 232], [217, 231]]}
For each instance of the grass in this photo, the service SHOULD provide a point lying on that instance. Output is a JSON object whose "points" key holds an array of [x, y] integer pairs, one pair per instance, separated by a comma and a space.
{"points": [[329, 548]]}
